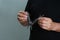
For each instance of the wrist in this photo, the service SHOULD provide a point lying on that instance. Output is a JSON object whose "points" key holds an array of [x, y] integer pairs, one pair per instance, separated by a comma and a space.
{"points": [[56, 27], [24, 23]]}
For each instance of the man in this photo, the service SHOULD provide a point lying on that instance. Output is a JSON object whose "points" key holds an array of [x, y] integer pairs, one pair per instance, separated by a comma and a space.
{"points": [[48, 26]]}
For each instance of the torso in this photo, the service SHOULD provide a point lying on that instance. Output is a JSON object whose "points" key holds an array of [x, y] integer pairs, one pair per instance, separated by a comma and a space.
{"points": [[48, 9]]}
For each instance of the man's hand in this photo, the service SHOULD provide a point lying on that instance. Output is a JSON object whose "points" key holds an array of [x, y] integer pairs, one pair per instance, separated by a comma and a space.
{"points": [[46, 23], [22, 17]]}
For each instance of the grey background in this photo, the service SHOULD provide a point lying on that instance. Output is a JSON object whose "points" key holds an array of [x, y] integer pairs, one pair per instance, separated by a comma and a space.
{"points": [[10, 28]]}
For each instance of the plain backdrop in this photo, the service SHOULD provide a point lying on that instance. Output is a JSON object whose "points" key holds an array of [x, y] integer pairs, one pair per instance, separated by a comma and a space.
{"points": [[10, 28]]}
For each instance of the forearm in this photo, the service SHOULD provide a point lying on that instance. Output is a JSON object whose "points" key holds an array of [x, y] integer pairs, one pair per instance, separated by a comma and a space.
{"points": [[56, 27]]}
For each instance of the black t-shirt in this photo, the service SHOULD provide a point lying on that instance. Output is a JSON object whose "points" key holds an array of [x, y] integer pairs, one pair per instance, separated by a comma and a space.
{"points": [[48, 8]]}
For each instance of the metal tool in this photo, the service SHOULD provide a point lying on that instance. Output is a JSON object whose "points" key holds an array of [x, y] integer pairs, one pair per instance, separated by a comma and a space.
{"points": [[30, 23]]}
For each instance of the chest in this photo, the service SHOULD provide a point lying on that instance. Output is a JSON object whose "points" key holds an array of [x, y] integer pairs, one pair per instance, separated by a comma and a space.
{"points": [[49, 8]]}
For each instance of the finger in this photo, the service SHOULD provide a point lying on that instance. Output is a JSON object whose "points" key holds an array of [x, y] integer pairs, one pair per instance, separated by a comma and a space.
{"points": [[21, 15], [23, 12], [45, 26], [42, 21], [44, 18], [22, 19], [47, 19]]}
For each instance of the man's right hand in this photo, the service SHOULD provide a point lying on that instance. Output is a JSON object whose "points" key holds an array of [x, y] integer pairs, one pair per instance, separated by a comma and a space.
{"points": [[22, 17]]}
